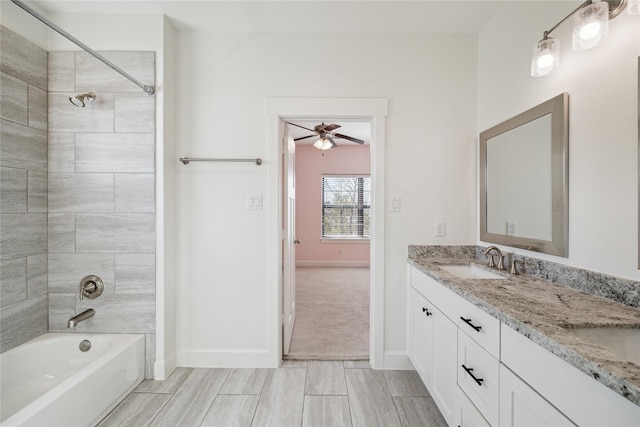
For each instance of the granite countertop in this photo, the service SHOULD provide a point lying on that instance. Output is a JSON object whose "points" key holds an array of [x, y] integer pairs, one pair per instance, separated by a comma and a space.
{"points": [[543, 311]]}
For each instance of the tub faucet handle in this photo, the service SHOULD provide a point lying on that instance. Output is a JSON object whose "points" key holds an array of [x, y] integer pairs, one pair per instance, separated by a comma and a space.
{"points": [[91, 287]]}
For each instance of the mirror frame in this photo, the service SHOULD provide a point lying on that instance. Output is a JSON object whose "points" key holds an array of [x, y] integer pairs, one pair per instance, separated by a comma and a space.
{"points": [[558, 107]]}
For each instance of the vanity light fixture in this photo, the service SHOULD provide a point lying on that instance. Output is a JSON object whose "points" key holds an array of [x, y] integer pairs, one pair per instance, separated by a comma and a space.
{"points": [[590, 29]]}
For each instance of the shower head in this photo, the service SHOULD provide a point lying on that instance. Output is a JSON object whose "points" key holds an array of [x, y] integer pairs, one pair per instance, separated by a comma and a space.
{"points": [[78, 100]]}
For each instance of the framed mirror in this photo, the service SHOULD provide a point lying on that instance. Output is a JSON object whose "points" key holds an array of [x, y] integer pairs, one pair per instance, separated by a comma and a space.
{"points": [[524, 179]]}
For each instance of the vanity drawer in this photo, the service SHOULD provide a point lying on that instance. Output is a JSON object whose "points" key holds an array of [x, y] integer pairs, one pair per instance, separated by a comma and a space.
{"points": [[482, 327], [478, 377]]}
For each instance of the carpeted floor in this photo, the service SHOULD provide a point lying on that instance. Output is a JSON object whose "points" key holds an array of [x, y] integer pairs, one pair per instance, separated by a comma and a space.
{"points": [[332, 314]]}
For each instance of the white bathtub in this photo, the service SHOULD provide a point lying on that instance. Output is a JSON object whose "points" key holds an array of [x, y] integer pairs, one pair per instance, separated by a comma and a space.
{"points": [[48, 381]]}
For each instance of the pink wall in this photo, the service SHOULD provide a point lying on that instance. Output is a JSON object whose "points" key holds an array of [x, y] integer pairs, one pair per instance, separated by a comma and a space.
{"points": [[310, 166]]}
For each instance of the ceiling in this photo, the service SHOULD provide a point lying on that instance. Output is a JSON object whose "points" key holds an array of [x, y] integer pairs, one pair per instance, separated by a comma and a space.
{"points": [[324, 16], [360, 130]]}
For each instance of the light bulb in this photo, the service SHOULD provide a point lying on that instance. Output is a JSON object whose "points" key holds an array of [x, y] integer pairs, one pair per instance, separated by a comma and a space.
{"points": [[590, 30], [545, 59], [590, 26]]}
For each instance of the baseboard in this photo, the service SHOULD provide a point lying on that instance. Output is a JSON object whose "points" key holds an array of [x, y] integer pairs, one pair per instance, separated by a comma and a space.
{"points": [[224, 358], [163, 368], [364, 264], [397, 360]]}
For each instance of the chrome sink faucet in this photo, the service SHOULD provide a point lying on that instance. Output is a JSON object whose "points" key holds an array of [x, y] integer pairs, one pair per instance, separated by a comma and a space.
{"points": [[488, 251], [73, 322]]}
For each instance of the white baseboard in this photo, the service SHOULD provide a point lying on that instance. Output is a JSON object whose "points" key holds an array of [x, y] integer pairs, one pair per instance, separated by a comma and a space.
{"points": [[365, 264], [397, 360], [224, 358], [163, 368]]}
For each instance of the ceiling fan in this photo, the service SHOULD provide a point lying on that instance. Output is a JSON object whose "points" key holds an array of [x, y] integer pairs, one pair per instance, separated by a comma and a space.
{"points": [[326, 136]]}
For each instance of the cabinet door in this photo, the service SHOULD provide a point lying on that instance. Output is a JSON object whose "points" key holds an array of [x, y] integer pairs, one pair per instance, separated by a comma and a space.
{"points": [[467, 415], [445, 344], [521, 406], [421, 354]]}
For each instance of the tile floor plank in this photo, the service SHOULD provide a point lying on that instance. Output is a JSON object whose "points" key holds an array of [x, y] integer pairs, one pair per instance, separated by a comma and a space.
{"points": [[326, 411], [418, 411], [232, 410], [170, 385], [190, 404], [245, 381], [137, 409], [294, 364], [357, 364], [405, 383], [282, 399], [325, 377], [369, 399]]}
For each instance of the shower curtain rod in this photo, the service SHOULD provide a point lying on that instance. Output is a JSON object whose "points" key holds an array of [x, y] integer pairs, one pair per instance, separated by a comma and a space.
{"points": [[148, 89]]}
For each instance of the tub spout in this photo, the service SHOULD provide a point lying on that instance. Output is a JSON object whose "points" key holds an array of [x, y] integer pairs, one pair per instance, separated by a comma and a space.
{"points": [[73, 322]]}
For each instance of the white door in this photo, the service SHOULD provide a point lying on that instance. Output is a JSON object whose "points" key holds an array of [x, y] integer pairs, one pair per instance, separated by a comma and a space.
{"points": [[289, 241]]}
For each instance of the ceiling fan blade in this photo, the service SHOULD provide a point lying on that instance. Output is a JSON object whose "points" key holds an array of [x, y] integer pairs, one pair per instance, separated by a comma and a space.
{"points": [[333, 143], [331, 127], [310, 130], [305, 137], [349, 138]]}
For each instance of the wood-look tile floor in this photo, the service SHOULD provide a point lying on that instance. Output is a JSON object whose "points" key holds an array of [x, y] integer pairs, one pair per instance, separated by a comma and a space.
{"points": [[300, 393]]}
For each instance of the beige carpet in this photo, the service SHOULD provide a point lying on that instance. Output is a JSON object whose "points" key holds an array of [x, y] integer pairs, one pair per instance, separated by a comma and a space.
{"points": [[332, 314]]}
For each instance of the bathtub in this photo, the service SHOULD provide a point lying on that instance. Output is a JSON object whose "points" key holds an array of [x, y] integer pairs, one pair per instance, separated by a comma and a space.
{"points": [[48, 381]]}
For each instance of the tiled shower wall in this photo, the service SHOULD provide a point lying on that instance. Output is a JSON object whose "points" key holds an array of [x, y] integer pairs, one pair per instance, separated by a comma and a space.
{"points": [[101, 193], [23, 190]]}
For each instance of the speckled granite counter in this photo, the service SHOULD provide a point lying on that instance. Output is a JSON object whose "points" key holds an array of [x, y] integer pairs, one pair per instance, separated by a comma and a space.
{"points": [[543, 311]]}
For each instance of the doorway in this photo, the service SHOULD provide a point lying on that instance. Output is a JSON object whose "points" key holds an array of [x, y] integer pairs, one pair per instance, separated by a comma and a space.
{"points": [[374, 111], [332, 254]]}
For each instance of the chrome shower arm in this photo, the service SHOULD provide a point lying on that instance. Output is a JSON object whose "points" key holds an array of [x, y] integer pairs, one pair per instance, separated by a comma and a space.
{"points": [[148, 89]]}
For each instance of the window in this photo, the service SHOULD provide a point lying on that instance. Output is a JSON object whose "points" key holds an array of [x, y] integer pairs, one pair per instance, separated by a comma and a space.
{"points": [[346, 207]]}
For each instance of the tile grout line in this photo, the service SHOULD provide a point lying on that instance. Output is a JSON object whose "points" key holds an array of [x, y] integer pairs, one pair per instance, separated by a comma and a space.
{"points": [[346, 384]]}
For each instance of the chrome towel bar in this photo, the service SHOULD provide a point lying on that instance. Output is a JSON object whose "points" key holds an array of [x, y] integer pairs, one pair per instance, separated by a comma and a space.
{"points": [[186, 160]]}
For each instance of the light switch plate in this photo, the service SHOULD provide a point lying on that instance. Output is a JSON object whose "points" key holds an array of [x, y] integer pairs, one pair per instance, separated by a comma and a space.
{"points": [[254, 202]]}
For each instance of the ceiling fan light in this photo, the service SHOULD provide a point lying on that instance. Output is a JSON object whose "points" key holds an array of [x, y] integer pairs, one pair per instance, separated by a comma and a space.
{"points": [[591, 26], [322, 144], [545, 57]]}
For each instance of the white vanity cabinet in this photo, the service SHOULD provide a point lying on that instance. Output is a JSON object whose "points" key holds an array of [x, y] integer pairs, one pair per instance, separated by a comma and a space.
{"points": [[433, 351], [484, 373], [583, 400]]}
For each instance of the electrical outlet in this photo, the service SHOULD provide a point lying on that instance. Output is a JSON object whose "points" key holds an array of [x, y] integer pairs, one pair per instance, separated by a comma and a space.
{"points": [[439, 229], [512, 228]]}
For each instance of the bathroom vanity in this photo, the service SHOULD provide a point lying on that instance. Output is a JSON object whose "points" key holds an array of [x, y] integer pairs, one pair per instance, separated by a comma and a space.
{"points": [[496, 349]]}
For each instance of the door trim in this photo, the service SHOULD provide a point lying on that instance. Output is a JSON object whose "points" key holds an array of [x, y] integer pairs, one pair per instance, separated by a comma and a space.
{"points": [[374, 110]]}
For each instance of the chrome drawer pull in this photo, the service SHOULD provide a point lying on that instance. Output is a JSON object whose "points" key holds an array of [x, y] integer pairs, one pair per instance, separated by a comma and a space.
{"points": [[426, 311], [468, 322], [477, 380]]}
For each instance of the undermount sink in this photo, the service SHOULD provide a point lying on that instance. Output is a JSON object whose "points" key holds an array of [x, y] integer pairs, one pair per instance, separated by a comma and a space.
{"points": [[624, 342], [470, 271]]}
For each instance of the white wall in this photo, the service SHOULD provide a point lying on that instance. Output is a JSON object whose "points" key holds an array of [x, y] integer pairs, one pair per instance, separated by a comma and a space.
{"points": [[224, 80], [603, 120]]}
